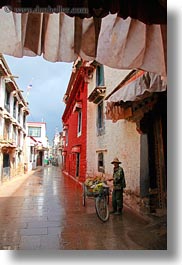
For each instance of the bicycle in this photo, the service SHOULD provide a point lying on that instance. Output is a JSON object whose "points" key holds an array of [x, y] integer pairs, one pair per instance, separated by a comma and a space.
{"points": [[101, 200]]}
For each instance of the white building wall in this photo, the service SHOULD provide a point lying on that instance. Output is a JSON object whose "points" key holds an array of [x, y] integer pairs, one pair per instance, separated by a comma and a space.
{"points": [[1, 126], [17, 154], [119, 140], [42, 138], [41, 144], [91, 139], [11, 103], [31, 157], [2, 92]]}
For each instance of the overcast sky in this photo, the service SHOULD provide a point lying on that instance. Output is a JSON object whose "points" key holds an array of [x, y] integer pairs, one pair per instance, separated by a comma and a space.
{"points": [[49, 83]]}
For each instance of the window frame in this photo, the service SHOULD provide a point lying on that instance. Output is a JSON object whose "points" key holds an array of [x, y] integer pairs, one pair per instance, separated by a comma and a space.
{"points": [[100, 75], [79, 126], [7, 100], [100, 118], [33, 134], [100, 162]]}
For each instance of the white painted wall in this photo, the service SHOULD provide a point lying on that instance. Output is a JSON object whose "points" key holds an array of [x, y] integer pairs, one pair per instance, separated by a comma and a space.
{"points": [[18, 155], [42, 138], [120, 139]]}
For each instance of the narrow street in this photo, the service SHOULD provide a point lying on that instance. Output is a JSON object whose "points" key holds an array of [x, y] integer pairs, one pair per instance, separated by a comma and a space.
{"points": [[46, 212]]}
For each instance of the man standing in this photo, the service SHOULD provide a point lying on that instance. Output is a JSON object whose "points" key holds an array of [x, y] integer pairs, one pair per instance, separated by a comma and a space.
{"points": [[118, 185]]}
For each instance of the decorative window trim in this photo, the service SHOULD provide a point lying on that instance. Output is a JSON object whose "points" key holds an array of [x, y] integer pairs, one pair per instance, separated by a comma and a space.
{"points": [[100, 161]]}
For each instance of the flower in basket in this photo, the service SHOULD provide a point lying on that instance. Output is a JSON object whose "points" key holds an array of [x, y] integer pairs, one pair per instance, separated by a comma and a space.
{"points": [[98, 187], [89, 182]]}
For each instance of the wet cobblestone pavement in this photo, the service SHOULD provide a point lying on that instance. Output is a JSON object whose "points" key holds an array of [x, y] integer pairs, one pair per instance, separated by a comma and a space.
{"points": [[46, 212]]}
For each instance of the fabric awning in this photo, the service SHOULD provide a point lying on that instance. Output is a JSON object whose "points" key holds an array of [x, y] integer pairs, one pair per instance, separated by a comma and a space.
{"points": [[139, 87], [142, 85], [112, 40], [149, 12]]}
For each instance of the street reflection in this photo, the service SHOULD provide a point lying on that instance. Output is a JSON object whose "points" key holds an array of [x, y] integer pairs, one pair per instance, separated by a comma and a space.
{"points": [[46, 212]]}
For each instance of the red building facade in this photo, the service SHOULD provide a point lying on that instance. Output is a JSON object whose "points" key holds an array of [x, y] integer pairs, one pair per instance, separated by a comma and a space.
{"points": [[75, 124]]}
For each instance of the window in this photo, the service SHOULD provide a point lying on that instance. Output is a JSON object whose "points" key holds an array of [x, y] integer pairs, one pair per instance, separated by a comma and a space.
{"points": [[79, 122], [24, 120], [14, 133], [14, 107], [77, 164], [100, 118], [100, 115], [19, 138], [6, 160], [66, 137], [7, 100], [6, 130], [101, 162], [100, 75], [34, 131], [19, 112]]}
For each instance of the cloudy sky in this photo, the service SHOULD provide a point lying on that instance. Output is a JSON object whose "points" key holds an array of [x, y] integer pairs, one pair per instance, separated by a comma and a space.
{"points": [[49, 83]]}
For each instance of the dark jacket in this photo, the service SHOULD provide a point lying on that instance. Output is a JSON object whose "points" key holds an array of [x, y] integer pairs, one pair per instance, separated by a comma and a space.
{"points": [[118, 178]]}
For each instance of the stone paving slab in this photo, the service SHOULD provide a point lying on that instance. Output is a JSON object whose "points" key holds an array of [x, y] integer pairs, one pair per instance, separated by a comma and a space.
{"points": [[45, 212]]}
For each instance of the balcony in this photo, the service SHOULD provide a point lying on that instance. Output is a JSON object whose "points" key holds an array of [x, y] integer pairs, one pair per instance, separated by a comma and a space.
{"points": [[97, 94], [5, 141]]}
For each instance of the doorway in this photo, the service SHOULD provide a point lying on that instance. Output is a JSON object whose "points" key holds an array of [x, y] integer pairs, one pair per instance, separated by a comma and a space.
{"points": [[6, 165], [154, 125], [39, 158], [77, 164]]}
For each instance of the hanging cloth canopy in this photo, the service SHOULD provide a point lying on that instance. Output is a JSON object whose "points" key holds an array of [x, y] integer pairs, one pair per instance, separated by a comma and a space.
{"points": [[119, 34], [149, 12], [139, 87]]}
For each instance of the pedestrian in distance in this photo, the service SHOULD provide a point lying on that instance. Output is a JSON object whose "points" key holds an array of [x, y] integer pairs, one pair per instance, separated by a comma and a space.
{"points": [[118, 185]]}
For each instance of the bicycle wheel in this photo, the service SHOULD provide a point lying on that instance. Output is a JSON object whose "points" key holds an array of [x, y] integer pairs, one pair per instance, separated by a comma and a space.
{"points": [[101, 207]]}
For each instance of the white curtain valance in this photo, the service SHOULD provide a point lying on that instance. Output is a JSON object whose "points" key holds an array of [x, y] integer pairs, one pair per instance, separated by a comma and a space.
{"points": [[112, 41]]}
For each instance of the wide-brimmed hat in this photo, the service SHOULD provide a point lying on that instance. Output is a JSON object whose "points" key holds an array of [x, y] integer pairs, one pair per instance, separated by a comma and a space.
{"points": [[115, 160]]}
